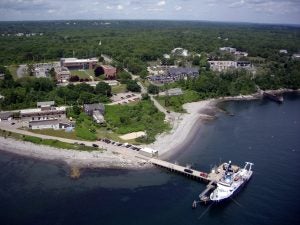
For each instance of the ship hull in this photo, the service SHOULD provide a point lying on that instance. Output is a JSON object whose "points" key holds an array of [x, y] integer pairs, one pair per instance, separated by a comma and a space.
{"points": [[225, 199]]}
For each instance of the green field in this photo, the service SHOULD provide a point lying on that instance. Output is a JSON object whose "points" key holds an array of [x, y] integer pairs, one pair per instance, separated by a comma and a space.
{"points": [[118, 88], [83, 74], [142, 116], [174, 103]]}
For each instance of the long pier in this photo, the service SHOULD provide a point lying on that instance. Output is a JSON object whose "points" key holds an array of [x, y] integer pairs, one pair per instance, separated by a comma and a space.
{"points": [[189, 172]]}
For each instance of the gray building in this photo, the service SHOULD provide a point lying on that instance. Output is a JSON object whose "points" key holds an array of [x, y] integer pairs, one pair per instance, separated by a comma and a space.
{"points": [[96, 110], [90, 108], [49, 124], [6, 116]]}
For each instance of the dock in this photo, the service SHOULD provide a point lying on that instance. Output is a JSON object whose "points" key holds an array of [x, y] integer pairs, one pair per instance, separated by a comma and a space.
{"points": [[211, 178]]}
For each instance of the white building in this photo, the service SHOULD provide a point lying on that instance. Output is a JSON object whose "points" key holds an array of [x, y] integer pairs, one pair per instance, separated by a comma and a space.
{"points": [[228, 49], [225, 65], [283, 51], [54, 124], [149, 152]]}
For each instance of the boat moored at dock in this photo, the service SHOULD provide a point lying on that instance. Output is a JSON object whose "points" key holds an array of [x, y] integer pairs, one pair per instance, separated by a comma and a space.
{"points": [[231, 182]]}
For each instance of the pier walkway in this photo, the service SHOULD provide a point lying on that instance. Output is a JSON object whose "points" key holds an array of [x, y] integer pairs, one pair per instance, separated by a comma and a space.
{"points": [[207, 177]]}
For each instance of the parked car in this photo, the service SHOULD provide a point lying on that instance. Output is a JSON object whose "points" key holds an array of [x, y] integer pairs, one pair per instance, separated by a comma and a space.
{"points": [[82, 144], [188, 171], [96, 146]]}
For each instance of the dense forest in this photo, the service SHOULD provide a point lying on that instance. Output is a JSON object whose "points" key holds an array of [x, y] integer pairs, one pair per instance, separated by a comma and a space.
{"points": [[133, 43]]}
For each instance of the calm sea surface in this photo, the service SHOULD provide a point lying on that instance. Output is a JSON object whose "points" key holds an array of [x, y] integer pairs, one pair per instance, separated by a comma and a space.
{"points": [[268, 134]]}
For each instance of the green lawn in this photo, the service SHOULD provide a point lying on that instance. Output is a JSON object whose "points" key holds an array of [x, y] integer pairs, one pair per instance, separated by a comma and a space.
{"points": [[82, 74], [174, 103], [118, 88], [142, 116]]}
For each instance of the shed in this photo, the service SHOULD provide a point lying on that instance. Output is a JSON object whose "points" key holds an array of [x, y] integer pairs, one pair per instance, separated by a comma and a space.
{"points": [[149, 152]]}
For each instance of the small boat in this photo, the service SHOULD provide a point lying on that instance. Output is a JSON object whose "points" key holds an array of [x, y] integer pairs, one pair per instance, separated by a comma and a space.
{"points": [[276, 98], [231, 182]]}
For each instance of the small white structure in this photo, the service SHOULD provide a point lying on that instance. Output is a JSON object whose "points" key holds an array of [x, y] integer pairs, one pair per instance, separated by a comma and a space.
{"points": [[283, 51], [149, 152], [180, 52], [174, 92], [228, 49], [167, 56], [296, 56], [6, 116]]}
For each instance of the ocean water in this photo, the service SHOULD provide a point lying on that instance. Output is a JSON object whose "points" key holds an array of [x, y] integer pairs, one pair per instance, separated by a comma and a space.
{"points": [[263, 132]]}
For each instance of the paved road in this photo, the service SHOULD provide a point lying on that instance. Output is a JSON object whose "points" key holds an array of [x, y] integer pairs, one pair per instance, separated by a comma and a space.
{"points": [[6, 125]]}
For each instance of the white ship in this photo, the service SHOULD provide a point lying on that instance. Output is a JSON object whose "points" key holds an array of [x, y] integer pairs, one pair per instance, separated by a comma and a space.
{"points": [[231, 182]]}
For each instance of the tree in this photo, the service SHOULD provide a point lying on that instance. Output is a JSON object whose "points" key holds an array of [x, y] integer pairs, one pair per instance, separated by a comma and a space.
{"points": [[98, 71], [123, 77], [133, 86], [103, 89], [153, 89]]}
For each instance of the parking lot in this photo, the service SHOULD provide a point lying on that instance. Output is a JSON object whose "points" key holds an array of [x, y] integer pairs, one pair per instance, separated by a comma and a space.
{"points": [[124, 98]]}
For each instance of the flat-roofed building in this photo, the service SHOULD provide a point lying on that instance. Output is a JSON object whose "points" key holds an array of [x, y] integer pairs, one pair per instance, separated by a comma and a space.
{"points": [[63, 74], [110, 72], [43, 113], [174, 74], [49, 124], [75, 64], [149, 152], [45, 104]]}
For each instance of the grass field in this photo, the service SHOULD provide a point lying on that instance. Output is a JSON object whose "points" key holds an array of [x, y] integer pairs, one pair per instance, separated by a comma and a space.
{"points": [[118, 88], [174, 103], [83, 74], [143, 116]]}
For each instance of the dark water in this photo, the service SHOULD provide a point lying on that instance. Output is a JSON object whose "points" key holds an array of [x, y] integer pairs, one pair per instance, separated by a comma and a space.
{"points": [[263, 132]]}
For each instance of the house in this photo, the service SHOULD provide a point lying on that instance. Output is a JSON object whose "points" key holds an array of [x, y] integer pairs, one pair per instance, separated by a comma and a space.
{"points": [[75, 64], [2, 75], [49, 124], [241, 54], [62, 74], [296, 56], [96, 110], [6, 116], [109, 71], [149, 152]]}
